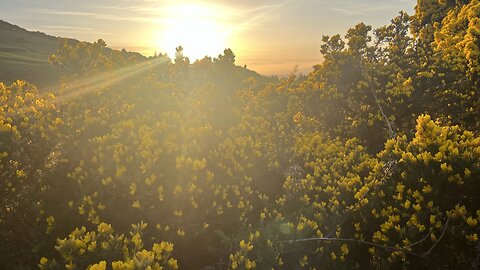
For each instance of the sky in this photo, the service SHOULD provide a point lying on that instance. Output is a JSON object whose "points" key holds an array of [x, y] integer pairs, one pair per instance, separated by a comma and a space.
{"points": [[270, 37]]}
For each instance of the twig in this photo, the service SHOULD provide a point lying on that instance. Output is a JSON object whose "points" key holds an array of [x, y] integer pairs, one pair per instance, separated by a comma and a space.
{"points": [[390, 129], [389, 125], [423, 239], [327, 239], [439, 239], [385, 247]]}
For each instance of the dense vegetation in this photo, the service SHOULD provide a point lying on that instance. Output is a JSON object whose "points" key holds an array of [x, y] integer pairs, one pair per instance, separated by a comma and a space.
{"points": [[371, 161]]}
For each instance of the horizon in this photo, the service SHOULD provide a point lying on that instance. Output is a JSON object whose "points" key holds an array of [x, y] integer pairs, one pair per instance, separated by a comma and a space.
{"points": [[254, 31]]}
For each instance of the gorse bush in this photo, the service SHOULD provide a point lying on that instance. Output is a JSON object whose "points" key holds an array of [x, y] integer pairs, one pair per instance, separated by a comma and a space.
{"points": [[371, 161]]}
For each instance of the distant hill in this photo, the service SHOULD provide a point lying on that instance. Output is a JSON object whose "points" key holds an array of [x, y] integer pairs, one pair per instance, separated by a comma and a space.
{"points": [[24, 55]]}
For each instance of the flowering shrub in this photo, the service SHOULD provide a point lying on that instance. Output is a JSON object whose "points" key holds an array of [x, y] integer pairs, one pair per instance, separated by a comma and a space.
{"points": [[239, 172]]}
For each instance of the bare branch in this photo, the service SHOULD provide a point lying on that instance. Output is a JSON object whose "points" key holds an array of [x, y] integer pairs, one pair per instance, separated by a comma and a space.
{"points": [[439, 239], [327, 239], [405, 250]]}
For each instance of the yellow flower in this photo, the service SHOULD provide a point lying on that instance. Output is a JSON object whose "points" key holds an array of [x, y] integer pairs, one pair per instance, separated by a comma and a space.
{"points": [[444, 167], [119, 265], [400, 187], [172, 263], [168, 247], [92, 246], [246, 246], [432, 219], [407, 204], [105, 245], [99, 266], [145, 256], [105, 228], [467, 173], [58, 122], [178, 189], [300, 226], [136, 204], [250, 264], [304, 261], [471, 222], [120, 171], [472, 237], [180, 232], [21, 173], [133, 188], [43, 261], [427, 189]]}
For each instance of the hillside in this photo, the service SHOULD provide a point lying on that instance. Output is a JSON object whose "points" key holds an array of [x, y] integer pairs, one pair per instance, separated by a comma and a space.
{"points": [[24, 55]]}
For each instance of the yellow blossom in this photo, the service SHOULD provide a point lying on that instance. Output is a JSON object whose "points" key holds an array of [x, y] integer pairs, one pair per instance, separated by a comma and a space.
{"points": [[472, 237], [472, 222], [100, 266]]}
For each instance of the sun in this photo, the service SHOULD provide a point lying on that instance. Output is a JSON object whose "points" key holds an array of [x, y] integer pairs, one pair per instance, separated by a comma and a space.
{"points": [[198, 28]]}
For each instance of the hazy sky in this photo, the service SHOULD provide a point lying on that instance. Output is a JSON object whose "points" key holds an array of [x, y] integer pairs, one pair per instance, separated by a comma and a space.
{"points": [[271, 37]]}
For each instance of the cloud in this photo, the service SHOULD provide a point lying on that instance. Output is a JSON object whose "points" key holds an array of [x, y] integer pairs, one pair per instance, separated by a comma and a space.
{"points": [[96, 15], [348, 12], [367, 7], [62, 27], [260, 14], [241, 15]]}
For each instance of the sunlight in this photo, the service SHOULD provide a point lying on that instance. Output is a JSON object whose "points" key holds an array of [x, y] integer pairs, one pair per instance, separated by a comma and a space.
{"points": [[198, 28]]}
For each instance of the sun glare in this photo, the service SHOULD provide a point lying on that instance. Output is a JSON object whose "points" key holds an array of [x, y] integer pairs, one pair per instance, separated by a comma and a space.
{"points": [[198, 28]]}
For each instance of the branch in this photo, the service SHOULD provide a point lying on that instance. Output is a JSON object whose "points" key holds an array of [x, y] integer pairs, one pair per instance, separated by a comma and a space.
{"points": [[405, 250], [422, 240], [390, 128], [327, 239], [439, 239], [389, 125]]}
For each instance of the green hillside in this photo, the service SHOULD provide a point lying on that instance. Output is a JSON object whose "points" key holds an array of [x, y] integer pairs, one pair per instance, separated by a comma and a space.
{"points": [[24, 55]]}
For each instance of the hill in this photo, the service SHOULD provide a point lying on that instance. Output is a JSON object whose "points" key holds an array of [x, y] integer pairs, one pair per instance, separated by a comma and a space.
{"points": [[24, 55]]}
